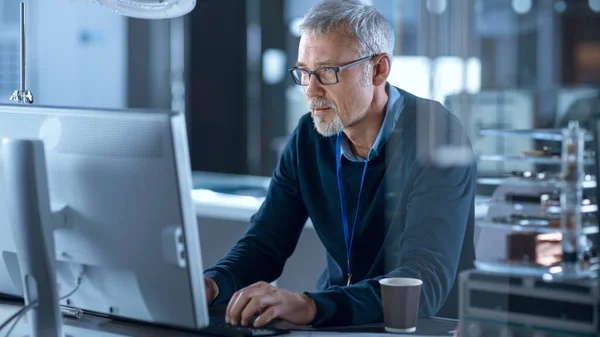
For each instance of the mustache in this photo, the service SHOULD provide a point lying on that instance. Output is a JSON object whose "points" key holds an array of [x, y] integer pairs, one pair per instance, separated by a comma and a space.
{"points": [[321, 103]]}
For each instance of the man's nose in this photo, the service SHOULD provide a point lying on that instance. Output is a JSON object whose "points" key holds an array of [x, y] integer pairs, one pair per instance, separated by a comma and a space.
{"points": [[314, 87]]}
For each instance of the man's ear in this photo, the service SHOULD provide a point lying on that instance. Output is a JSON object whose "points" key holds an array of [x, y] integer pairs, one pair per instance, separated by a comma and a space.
{"points": [[381, 68]]}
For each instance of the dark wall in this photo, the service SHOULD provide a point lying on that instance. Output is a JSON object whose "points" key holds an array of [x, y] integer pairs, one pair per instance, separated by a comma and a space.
{"points": [[235, 118], [274, 35], [216, 99]]}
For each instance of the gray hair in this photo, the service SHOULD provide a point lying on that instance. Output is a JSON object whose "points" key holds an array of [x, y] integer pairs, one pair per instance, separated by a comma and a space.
{"points": [[373, 32]]}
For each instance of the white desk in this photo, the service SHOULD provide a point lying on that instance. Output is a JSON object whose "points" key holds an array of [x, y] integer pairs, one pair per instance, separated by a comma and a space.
{"points": [[94, 326], [214, 196]]}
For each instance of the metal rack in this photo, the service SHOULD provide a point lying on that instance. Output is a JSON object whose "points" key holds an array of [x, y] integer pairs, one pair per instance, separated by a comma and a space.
{"points": [[22, 95], [545, 218]]}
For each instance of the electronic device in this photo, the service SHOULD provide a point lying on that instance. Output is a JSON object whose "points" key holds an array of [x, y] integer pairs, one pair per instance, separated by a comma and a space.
{"points": [[537, 271], [493, 304], [119, 185], [121, 213]]}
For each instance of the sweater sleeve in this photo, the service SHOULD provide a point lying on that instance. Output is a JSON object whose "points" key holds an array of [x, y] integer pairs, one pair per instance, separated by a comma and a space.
{"points": [[429, 247], [272, 235]]}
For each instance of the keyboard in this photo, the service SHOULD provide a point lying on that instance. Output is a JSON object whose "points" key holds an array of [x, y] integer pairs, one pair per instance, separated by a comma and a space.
{"points": [[218, 327], [226, 330]]}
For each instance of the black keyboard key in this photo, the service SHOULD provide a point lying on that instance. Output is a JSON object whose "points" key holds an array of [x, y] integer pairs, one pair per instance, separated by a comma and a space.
{"points": [[226, 330]]}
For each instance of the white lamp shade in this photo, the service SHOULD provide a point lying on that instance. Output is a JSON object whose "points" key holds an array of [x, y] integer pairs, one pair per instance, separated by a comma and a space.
{"points": [[150, 9]]}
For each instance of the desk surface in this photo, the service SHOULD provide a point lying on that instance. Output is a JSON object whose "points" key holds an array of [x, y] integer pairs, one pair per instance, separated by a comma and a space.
{"points": [[95, 326], [238, 197]]}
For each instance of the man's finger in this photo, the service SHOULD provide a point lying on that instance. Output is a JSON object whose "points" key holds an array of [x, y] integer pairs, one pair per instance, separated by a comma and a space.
{"points": [[253, 307], [260, 304], [233, 300], [242, 300], [233, 311], [270, 314], [237, 306], [230, 304]]}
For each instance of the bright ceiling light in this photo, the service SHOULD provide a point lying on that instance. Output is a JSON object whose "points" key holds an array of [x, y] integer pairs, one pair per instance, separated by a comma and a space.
{"points": [[150, 9], [560, 6], [521, 6], [437, 6], [594, 5]]}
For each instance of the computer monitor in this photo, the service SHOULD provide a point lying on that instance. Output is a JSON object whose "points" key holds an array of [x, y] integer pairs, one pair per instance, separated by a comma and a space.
{"points": [[123, 181]]}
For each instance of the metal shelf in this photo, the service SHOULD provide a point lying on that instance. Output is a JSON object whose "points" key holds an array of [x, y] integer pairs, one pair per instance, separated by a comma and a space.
{"points": [[538, 207], [584, 209], [530, 226], [546, 272], [540, 134], [515, 181], [537, 217], [529, 159]]}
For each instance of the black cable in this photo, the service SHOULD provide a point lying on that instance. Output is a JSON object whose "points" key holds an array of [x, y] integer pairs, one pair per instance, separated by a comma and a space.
{"points": [[27, 308], [78, 283], [17, 315]]}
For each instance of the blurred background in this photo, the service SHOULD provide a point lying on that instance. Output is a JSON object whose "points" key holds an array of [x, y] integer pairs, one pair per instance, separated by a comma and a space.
{"points": [[517, 64]]}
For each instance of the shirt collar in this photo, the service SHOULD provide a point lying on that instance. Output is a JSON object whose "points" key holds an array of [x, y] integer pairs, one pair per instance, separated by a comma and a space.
{"points": [[394, 107]]}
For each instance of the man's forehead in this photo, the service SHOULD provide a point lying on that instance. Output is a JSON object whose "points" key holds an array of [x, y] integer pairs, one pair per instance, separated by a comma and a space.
{"points": [[319, 49]]}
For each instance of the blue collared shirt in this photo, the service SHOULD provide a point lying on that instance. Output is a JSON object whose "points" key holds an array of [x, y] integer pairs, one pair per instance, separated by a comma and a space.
{"points": [[395, 105]]}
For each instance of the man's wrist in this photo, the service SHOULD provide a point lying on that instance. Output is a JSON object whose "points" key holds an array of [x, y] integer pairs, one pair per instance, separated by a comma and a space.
{"points": [[214, 289], [311, 307]]}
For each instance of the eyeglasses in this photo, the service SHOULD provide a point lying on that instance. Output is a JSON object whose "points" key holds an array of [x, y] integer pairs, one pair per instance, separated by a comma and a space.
{"points": [[325, 75]]}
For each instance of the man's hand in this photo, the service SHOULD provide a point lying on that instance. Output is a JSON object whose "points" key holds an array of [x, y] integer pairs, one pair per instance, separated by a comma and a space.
{"points": [[269, 302], [212, 290]]}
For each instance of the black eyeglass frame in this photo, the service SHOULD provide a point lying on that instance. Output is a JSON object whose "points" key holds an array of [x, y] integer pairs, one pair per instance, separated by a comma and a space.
{"points": [[335, 69]]}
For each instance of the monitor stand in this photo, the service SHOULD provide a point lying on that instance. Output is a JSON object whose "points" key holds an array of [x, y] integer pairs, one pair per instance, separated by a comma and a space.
{"points": [[25, 180]]}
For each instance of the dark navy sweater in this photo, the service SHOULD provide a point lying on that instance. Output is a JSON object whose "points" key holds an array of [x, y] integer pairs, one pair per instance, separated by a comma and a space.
{"points": [[415, 219]]}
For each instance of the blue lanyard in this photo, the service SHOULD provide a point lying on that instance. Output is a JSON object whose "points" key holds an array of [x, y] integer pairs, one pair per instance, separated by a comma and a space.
{"points": [[348, 236]]}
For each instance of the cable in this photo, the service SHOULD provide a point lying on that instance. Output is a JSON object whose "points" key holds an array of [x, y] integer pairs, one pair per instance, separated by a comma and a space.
{"points": [[12, 326], [23, 312], [77, 284], [17, 315]]}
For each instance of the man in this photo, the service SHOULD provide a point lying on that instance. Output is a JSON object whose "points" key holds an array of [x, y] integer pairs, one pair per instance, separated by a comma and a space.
{"points": [[353, 167]]}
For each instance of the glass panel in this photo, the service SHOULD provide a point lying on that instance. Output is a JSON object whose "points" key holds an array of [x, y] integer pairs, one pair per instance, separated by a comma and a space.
{"points": [[9, 47], [495, 64]]}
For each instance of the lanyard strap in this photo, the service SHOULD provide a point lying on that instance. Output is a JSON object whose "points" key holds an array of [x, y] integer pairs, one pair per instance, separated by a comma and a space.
{"points": [[348, 235]]}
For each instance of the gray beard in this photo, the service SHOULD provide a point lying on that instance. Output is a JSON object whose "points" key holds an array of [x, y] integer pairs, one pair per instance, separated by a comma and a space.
{"points": [[328, 129]]}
